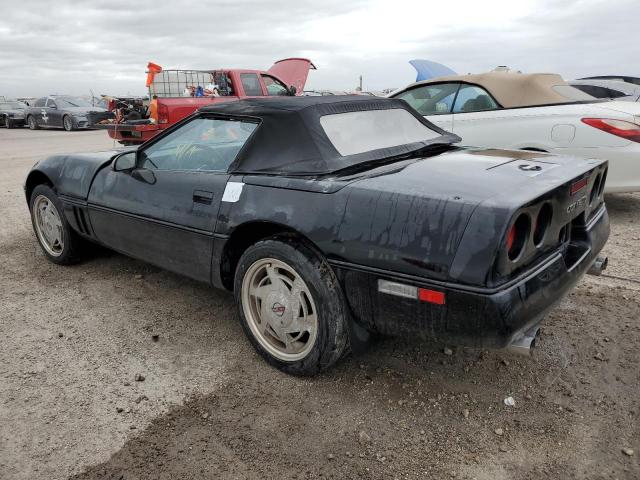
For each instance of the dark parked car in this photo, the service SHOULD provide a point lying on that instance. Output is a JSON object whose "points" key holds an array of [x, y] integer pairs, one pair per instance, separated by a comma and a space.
{"points": [[12, 114], [333, 217], [63, 111]]}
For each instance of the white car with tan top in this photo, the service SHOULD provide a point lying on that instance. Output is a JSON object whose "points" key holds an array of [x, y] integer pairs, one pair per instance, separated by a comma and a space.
{"points": [[539, 112]]}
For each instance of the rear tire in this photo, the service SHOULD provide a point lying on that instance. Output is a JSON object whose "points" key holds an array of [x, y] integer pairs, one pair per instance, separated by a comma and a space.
{"points": [[291, 306], [33, 125], [68, 123], [9, 123], [60, 243]]}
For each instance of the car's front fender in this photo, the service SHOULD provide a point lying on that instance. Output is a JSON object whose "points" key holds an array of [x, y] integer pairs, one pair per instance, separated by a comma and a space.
{"points": [[70, 175]]}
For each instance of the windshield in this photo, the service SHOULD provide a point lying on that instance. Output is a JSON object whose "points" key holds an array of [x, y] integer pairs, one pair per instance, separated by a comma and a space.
{"points": [[12, 106], [66, 102], [352, 133], [209, 144]]}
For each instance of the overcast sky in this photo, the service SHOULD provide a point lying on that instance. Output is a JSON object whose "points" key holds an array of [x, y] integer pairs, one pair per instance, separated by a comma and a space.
{"points": [[68, 46]]}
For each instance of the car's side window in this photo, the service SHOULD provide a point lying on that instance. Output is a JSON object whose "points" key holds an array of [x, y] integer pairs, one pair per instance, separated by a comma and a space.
{"points": [[251, 85], [431, 99], [40, 102], [473, 99], [204, 144], [600, 92], [274, 87], [51, 103]]}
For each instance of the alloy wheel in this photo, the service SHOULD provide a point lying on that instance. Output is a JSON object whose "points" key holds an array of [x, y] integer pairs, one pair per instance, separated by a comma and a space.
{"points": [[279, 309], [48, 225]]}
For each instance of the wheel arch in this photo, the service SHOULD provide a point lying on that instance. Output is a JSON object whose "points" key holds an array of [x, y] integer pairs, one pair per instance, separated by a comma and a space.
{"points": [[248, 234], [35, 178]]}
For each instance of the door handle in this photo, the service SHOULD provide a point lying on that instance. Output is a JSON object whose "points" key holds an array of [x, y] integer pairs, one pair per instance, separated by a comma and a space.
{"points": [[202, 196]]}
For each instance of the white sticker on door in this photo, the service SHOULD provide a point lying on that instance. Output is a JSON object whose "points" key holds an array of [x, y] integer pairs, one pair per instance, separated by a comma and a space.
{"points": [[232, 192]]}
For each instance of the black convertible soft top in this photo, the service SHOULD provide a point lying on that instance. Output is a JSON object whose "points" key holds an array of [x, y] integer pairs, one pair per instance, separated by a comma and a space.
{"points": [[291, 140]]}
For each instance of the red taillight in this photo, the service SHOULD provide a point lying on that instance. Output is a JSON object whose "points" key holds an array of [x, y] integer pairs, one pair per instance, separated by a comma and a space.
{"points": [[511, 238], [163, 113], [431, 296], [543, 220], [517, 236], [619, 128]]}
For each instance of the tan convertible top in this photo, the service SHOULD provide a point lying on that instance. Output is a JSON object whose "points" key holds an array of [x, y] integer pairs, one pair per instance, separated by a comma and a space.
{"points": [[515, 89]]}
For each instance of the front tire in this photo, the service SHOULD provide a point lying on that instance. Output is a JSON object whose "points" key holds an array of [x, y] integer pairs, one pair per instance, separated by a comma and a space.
{"points": [[60, 243], [291, 306], [67, 123], [33, 125]]}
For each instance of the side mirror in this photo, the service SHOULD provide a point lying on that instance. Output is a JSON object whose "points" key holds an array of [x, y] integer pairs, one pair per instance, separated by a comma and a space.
{"points": [[293, 90], [125, 161]]}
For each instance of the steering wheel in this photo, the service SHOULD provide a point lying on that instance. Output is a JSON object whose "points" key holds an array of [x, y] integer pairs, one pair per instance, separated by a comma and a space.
{"points": [[200, 149]]}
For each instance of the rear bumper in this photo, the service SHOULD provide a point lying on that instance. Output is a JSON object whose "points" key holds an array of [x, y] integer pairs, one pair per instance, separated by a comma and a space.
{"points": [[130, 133], [484, 318]]}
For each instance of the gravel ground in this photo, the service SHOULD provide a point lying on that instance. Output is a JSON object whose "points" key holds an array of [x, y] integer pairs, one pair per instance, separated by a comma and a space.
{"points": [[74, 340]]}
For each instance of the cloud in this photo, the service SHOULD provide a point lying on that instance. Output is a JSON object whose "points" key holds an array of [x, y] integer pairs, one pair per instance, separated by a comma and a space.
{"points": [[72, 46]]}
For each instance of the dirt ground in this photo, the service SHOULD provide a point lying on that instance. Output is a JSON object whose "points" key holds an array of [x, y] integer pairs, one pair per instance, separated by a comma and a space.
{"points": [[73, 340]]}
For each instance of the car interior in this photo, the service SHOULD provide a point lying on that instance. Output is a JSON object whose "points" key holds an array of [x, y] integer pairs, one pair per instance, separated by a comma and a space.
{"points": [[204, 144], [438, 99]]}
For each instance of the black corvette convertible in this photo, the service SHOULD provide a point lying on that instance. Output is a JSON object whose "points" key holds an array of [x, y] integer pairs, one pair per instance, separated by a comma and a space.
{"points": [[333, 217]]}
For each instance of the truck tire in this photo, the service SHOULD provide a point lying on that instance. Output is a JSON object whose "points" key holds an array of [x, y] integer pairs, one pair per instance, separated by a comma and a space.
{"points": [[60, 243], [291, 305]]}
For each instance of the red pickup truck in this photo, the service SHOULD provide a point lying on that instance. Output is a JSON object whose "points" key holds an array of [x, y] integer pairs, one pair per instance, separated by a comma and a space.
{"points": [[178, 93]]}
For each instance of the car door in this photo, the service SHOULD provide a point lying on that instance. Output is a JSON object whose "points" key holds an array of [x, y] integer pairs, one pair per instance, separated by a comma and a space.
{"points": [[160, 204], [37, 110], [433, 101], [52, 114], [251, 84]]}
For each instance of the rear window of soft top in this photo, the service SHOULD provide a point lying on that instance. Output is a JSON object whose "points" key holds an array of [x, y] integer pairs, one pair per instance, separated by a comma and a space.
{"points": [[352, 133]]}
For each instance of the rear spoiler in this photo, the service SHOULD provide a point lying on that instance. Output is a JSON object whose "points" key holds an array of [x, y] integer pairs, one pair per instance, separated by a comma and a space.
{"points": [[293, 71]]}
